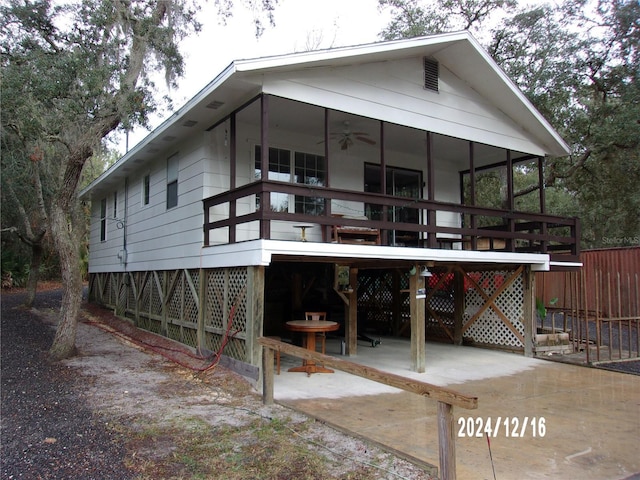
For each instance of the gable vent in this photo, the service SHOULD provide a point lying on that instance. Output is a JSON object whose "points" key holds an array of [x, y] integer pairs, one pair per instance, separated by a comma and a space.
{"points": [[431, 74]]}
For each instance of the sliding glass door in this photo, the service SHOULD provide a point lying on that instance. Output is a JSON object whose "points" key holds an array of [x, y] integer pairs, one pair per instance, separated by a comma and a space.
{"points": [[401, 182]]}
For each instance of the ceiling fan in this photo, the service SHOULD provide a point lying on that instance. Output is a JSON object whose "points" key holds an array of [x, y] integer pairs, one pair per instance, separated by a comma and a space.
{"points": [[346, 137]]}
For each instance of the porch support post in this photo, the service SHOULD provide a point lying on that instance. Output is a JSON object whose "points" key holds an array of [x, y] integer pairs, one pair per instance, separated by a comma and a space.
{"points": [[351, 324], [541, 189], [543, 204], [232, 174], [510, 201], [458, 305], [416, 306], [384, 239], [472, 181], [202, 306], [255, 314], [431, 185], [326, 234], [265, 197], [528, 309]]}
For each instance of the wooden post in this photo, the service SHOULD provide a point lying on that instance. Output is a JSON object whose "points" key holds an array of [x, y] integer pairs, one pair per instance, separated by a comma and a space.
{"points": [[446, 442], [351, 325], [416, 306], [164, 328], [528, 310], [267, 376], [202, 309], [255, 314], [458, 307]]}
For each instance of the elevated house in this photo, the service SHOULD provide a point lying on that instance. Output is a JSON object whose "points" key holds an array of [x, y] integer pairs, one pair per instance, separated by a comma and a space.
{"points": [[334, 180]]}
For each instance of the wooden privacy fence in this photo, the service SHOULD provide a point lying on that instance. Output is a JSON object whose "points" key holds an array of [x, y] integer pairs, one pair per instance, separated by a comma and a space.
{"points": [[446, 398]]}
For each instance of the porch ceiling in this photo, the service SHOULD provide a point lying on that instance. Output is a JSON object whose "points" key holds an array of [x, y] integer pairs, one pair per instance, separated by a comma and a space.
{"points": [[264, 252]]}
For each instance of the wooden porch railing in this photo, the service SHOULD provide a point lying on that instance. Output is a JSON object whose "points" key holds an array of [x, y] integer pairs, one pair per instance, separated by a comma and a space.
{"points": [[515, 231], [446, 398]]}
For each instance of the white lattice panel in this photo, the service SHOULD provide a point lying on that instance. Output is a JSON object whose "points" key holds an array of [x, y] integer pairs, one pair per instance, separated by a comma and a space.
{"points": [[489, 328]]}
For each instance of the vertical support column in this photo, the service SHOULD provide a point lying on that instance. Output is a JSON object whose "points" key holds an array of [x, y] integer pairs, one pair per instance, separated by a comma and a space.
{"points": [[267, 376], [164, 326], [232, 174], [528, 309], [417, 323], [326, 234], [472, 182], [265, 197], [458, 306], [511, 244], [446, 441], [202, 309], [255, 314], [351, 324], [431, 185], [385, 237]]}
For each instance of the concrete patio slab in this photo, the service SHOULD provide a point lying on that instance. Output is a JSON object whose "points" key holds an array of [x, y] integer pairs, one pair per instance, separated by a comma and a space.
{"points": [[587, 421]]}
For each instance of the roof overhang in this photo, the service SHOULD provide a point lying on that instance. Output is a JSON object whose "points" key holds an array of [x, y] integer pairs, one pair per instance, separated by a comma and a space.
{"points": [[242, 80], [264, 252]]}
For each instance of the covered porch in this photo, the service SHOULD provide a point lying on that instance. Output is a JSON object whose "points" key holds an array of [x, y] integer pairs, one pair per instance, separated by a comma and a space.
{"points": [[350, 178]]}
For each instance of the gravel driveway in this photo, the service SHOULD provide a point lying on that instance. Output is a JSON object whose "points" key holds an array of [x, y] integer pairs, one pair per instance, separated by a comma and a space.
{"points": [[47, 430], [112, 411]]}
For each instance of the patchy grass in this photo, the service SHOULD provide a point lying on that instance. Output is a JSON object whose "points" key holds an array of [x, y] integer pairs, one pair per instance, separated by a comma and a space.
{"points": [[192, 448]]}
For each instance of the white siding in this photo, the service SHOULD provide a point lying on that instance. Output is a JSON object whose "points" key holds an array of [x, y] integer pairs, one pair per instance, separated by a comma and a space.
{"points": [[157, 238], [393, 91]]}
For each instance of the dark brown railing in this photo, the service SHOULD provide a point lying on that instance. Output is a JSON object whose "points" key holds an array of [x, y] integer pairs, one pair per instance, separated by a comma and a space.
{"points": [[483, 228]]}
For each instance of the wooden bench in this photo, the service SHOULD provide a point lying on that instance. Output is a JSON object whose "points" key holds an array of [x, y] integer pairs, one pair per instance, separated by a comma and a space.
{"points": [[355, 234]]}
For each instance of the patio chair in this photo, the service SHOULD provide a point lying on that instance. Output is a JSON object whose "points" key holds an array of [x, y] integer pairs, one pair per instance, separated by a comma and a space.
{"points": [[321, 335]]}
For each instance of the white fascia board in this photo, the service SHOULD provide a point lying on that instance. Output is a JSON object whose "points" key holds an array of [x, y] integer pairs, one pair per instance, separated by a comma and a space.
{"points": [[566, 264], [261, 252], [345, 54], [518, 93]]}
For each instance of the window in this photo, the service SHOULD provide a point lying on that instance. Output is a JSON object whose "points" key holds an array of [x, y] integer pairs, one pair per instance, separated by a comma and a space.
{"points": [[115, 204], [146, 183], [311, 170], [308, 169], [103, 220], [279, 169], [172, 181]]}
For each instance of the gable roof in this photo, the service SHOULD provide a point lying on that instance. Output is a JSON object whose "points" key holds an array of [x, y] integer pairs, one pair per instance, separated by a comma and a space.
{"points": [[460, 52]]}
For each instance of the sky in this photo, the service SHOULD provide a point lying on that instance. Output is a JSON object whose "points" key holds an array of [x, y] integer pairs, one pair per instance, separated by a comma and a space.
{"points": [[298, 24]]}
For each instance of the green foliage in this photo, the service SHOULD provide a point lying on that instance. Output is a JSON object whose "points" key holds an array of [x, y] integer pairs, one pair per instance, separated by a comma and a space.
{"points": [[541, 308], [16, 264], [578, 62]]}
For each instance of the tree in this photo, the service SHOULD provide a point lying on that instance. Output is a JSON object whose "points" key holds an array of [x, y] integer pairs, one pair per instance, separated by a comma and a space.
{"points": [[578, 63], [86, 69], [412, 18]]}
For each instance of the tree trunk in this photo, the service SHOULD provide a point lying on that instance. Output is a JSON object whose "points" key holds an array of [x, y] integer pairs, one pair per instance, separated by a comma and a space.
{"points": [[66, 239], [34, 273]]}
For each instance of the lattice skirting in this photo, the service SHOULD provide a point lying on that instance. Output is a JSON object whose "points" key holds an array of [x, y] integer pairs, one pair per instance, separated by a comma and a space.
{"points": [[494, 308], [175, 304], [493, 305]]}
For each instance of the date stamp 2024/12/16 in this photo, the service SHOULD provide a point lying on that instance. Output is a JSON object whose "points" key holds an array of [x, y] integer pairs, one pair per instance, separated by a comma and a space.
{"points": [[510, 427]]}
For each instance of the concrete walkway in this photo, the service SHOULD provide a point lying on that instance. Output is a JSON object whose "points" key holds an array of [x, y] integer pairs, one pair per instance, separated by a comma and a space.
{"points": [[591, 417]]}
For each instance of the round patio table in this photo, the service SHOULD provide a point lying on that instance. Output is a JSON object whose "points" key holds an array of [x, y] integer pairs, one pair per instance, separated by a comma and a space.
{"points": [[311, 327]]}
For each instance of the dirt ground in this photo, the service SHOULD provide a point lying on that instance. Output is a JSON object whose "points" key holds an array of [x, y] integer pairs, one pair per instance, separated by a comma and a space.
{"points": [[135, 405]]}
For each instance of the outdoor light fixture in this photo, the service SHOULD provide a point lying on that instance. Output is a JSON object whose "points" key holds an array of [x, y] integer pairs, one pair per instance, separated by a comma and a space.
{"points": [[424, 271]]}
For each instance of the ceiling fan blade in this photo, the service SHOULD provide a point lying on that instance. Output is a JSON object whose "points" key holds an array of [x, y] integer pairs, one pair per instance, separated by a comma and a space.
{"points": [[366, 140]]}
